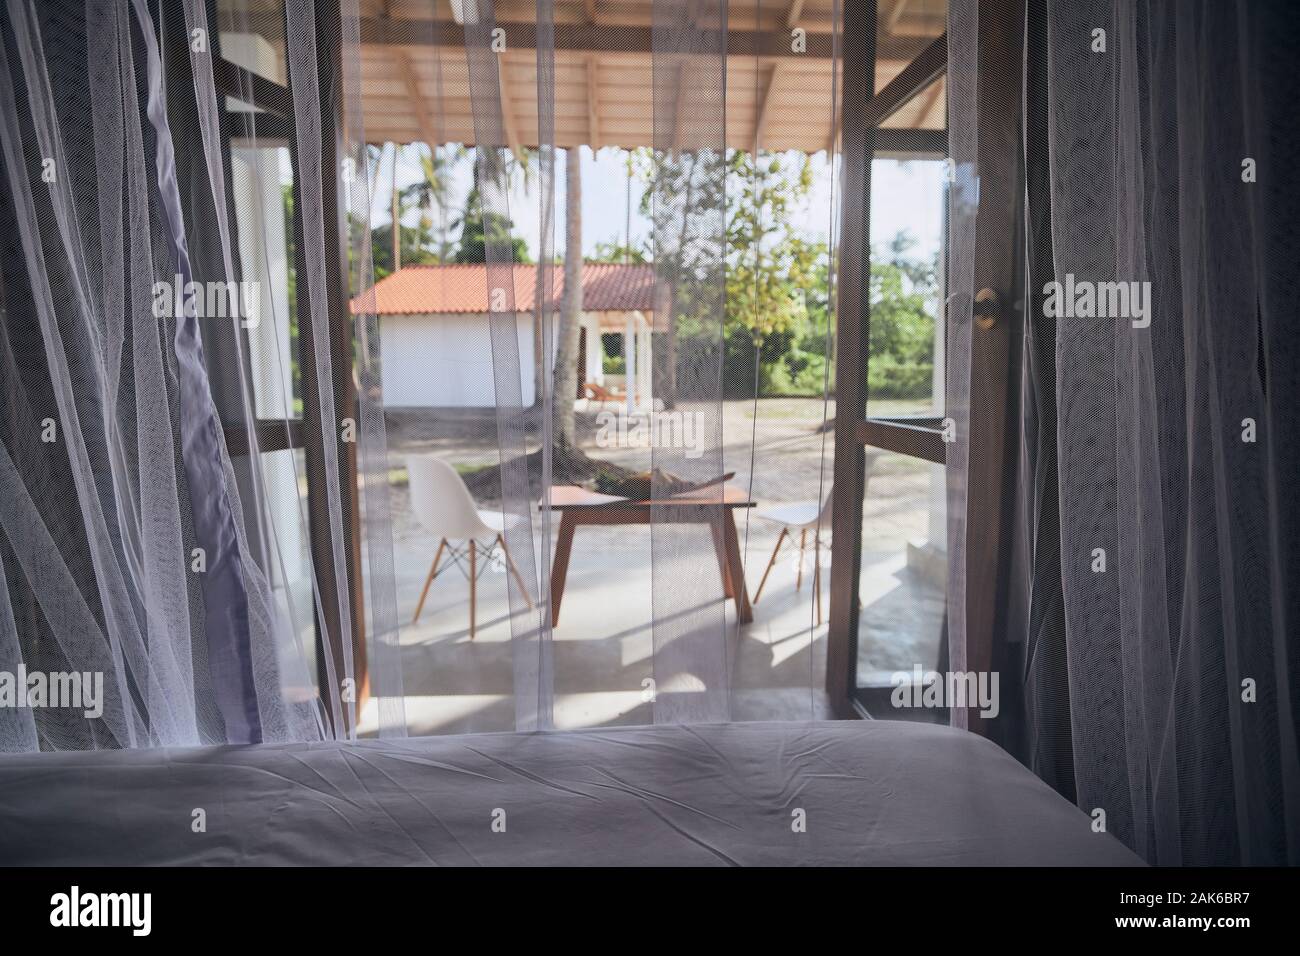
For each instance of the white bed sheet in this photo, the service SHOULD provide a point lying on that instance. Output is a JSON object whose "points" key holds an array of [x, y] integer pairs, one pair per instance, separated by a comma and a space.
{"points": [[867, 792]]}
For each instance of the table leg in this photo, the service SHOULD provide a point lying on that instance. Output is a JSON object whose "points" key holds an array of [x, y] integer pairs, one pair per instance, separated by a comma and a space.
{"points": [[560, 565], [736, 564], [724, 560]]}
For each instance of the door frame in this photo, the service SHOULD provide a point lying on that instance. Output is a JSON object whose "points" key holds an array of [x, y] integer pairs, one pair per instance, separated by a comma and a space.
{"points": [[995, 348]]}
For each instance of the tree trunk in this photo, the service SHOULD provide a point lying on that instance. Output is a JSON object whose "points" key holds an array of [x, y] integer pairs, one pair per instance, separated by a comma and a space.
{"points": [[397, 229], [544, 311], [541, 315], [566, 353], [397, 212]]}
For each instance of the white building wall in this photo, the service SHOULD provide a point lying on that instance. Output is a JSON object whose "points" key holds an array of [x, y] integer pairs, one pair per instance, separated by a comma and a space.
{"points": [[445, 361]]}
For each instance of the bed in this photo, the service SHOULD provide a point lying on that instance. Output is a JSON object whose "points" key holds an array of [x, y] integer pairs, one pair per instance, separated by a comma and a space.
{"points": [[828, 793]]}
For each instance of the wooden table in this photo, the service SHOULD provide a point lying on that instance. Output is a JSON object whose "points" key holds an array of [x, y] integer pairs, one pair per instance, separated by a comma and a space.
{"points": [[578, 506]]}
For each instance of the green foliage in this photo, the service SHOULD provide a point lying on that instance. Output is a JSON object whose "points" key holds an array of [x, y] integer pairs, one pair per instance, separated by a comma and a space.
{"points": [[494, 171], [295, 378], [888, 378], [615, 251], [419, 244], [432, 190], [479, 227], [903, 291], [770, 269], [417, 248], [777, 282]]}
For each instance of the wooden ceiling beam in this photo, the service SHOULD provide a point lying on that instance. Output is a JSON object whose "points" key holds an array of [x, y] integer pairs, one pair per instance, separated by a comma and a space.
{"points": [[593, 102], [933, 99], [760, 121], [616, 38], [508, 124], [915, 77], [423, 114], [679, 107]]}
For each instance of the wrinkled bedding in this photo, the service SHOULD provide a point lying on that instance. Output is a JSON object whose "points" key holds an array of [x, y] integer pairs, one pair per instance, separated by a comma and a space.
{"points": [[837, 793]]}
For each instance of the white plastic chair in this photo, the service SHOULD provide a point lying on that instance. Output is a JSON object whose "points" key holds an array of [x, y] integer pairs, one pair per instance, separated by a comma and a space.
{"points": [[805, 516], [444, 507]]}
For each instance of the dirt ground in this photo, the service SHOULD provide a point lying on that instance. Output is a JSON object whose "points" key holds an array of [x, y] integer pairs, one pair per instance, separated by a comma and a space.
{"points": [[781, 449], [785, 439]]}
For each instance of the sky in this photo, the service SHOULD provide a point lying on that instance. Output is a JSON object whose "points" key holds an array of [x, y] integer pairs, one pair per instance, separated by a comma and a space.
{"points": [[904, 196]]}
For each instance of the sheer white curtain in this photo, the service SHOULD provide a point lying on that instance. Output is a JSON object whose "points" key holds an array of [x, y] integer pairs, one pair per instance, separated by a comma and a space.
{"points": [[138, 549], [1172, 478], [157, 525], [688, 152]]}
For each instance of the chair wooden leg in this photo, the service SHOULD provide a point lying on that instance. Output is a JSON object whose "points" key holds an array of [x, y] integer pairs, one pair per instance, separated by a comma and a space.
{"points": [[779, 539], [817, 576], [510, 563], [433, 573], [473, 584], [798, 580]]}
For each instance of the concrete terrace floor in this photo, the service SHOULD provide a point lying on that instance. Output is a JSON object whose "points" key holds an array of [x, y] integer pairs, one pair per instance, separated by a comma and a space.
{"points": [[602, 647]]}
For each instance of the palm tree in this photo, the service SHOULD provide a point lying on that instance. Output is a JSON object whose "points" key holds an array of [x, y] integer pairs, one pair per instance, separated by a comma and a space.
{"points": [[431, 192], [494, 171], [394, 245], [566, 350]]}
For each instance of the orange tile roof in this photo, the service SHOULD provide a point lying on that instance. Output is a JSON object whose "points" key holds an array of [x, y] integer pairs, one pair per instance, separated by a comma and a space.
{"points": [[456, 289]]}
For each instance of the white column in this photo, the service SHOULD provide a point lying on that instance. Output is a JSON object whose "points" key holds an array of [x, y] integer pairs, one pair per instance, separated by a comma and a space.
{"points": [[644, 364], [629, 363]]}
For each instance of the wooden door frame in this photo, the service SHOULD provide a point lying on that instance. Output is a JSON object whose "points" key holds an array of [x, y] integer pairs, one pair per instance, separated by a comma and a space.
{"points": [[852, 325], [995, 351]]}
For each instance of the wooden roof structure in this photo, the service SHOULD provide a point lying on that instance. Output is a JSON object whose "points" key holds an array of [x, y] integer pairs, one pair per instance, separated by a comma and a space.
{"points": [[415, 85]]}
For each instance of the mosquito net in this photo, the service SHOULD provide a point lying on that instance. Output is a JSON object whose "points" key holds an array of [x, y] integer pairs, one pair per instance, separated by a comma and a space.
{"points": [[384, 367], [270, 259]]}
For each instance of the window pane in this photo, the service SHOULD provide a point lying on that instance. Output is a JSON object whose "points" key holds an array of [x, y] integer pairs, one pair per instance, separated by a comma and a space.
{"points": [[927, 110], [904, 29], [908, 199], [904, 568], [252, 36], [288, 550], [262, 183], [905, 360], [922, 19]]}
